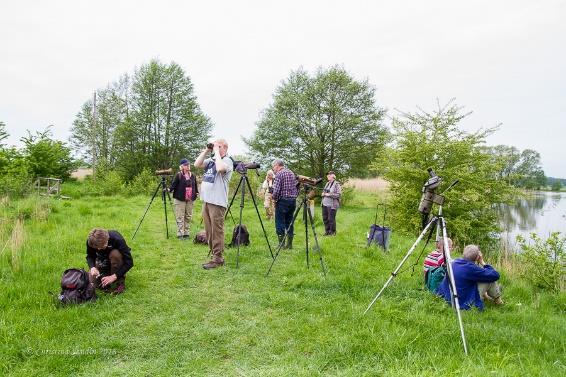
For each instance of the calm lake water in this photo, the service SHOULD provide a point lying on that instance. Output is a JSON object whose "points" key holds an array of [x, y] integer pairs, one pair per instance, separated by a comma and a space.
{"points": [[541, 213]]}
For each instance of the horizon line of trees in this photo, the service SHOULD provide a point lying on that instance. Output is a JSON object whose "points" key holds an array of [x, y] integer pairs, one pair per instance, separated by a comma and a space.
{"points": [[316, 122]]}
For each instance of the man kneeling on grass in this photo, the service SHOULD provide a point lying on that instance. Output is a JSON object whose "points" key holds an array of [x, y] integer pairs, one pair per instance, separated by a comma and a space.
{"points": [[475, 280], [109, 259]]}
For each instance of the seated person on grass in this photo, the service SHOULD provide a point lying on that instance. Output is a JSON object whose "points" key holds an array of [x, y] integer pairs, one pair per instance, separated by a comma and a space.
{"points": [[109, 259], [433, 261], [474, 280]]}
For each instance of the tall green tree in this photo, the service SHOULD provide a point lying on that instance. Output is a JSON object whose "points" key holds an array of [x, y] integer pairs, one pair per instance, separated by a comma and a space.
{"points": [[147, 120], [321, 122], [433, 139]]}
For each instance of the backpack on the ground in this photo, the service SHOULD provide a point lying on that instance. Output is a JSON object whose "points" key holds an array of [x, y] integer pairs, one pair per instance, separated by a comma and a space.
{"points": [[200, 237], [240, 236], [76, 287], [434, 278]]}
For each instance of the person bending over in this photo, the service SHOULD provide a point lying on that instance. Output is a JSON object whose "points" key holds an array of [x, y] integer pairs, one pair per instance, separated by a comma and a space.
{"points": [[214, 195], [474, 279], [285, 194], [185, 190], [109, 259]]}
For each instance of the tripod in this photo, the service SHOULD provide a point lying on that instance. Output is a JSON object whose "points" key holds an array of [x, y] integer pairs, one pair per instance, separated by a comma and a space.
{"points": [[441, 222], [164, 193], [244, 181], [307, 217]]}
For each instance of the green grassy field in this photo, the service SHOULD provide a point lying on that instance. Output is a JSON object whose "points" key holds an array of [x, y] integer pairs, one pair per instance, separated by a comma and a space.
{"points": [[177, 319]]}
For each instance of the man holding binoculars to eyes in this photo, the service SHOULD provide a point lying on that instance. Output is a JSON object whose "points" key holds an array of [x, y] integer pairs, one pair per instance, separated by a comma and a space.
{"points": [[214, 194]]}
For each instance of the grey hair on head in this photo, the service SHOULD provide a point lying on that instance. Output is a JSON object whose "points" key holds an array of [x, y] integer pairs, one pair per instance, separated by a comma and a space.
{"points": [[278, 162], [471, 253]]}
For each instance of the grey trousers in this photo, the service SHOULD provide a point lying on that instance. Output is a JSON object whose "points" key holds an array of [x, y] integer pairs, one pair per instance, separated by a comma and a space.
{"points": [[183, 215]]}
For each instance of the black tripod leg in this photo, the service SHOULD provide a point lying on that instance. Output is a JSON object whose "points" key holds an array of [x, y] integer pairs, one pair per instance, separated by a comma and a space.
{"points": [[304, 205], [259, 217], [240, 222], [147, 209], [283, 241], [316, 243], [232, 201]]}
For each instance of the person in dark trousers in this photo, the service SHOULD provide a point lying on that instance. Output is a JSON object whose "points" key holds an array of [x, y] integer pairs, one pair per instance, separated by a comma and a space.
{"points": [[330, 203], [285, 194], [474, 280], [109, 259], [185, 190]]}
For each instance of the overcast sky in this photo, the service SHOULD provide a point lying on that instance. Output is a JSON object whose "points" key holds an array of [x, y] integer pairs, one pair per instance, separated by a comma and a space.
{"points": [[503, 60]]}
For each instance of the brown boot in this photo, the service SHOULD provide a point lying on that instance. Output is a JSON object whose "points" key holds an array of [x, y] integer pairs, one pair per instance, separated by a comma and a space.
{"points": [[212, 264]]}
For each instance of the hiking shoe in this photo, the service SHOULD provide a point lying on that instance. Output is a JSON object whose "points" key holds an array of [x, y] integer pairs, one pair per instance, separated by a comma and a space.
{"points": [[212, 264], [119, 289], [180, 237], [186, 236]]}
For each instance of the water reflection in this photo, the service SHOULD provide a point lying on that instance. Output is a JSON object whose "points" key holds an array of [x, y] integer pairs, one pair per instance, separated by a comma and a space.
{"points": [[541, 212]]}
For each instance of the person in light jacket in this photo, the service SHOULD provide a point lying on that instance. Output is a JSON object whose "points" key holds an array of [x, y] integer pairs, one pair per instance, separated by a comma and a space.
{"points": [[330, 203]]}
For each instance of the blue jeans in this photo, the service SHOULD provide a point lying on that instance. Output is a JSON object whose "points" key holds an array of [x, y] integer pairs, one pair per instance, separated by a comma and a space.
{"points": [[284, 211]]}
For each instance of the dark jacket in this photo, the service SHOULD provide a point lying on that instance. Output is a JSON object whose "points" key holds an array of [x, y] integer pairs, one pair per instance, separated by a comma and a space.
{"points": [[116, 241], [467, 275], [180, 183]]}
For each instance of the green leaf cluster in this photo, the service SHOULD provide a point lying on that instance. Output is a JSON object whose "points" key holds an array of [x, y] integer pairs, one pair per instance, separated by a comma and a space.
{"points": [[328, 121], [424, 140]]}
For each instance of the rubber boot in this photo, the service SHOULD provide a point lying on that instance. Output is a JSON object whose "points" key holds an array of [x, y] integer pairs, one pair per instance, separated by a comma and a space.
{"points": [[281, 239], [289, 243]]}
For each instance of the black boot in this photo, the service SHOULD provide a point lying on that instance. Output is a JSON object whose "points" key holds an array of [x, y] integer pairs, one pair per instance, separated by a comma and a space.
{"points": [[281, 239], [289, 243]]}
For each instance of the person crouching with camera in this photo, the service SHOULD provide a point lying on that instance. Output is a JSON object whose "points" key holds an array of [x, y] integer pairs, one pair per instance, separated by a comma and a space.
{"points": [[330, 203], [185, 190], [285, 194], [266, 192], [214, 195], [109, 259]]}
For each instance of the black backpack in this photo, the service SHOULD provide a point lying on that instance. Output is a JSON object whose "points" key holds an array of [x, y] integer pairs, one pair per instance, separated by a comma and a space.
{"points": [[76, 287], [244, 238]]}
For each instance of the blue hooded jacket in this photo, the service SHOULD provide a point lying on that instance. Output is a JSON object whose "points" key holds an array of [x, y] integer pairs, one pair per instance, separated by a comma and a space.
{"points": [[467, 275]]}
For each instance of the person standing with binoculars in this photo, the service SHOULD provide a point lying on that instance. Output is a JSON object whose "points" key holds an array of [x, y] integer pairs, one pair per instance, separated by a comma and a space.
{"points": [[330, 203], [214, 195]]}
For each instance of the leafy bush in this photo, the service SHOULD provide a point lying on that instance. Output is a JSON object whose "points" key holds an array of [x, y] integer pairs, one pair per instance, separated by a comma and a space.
{"points": [[544, 261], [143, 183], [15, 180], [424, 140], [346, 196]]}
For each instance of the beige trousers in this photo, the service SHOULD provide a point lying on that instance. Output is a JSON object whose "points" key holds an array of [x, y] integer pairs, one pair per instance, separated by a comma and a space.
{"points": [[183, 215]]}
